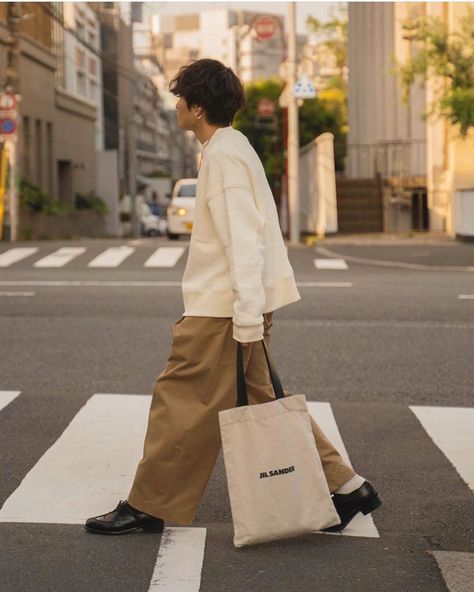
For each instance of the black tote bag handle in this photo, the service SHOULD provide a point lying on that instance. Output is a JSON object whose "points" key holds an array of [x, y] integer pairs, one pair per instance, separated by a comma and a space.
{"points": [[242, 387]]}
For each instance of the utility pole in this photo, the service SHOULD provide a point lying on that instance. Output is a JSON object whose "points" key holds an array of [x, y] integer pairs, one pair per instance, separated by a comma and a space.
{"points": [[293, 133], [132, 176], [12, 84]]}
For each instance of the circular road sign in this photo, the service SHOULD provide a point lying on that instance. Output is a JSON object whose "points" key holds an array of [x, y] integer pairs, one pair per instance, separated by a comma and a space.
{"points": [[7, 101], [7, 125], [265, 27]]}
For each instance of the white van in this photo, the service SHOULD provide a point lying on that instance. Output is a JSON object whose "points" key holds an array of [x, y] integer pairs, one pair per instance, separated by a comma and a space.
{"points": [[180, 212]]}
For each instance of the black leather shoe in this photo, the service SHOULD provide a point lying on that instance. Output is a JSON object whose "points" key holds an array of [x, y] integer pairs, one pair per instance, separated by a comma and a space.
{"points": [[365, 499], [123, 519]]}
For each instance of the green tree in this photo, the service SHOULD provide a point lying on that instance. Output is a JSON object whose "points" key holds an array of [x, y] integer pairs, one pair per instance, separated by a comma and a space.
{"points": [[448, 58], [334, 38], [265, 135]]}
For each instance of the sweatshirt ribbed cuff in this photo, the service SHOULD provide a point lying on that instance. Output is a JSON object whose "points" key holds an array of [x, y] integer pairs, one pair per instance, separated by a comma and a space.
{"points": [[246, 334]]}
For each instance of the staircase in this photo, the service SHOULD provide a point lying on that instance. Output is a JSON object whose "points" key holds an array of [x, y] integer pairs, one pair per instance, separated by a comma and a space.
{"points": [[359, 205]]}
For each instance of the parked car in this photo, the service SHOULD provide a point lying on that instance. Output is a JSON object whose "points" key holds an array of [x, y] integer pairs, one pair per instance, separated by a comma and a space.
{"points": [[152, 224], [181, 208]]}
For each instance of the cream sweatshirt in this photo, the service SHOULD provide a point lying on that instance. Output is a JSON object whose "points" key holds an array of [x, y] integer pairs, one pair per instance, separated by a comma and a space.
{"points": [[237, 263]]}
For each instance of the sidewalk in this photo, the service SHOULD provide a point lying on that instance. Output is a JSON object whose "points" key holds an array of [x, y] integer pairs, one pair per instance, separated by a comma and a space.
{"points": [[385, 238]]}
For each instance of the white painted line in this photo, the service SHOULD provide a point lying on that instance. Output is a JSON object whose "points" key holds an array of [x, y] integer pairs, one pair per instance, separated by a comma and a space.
{"points": [[324, 284], [457, 569], [89, 468], [111, 257], [164, 257], [452, 430], [466, 296], [360, 525], [138, 284], [330, 264], [17, 293], [402, 265], [13, 255], [6, 397], [179, 562], [83, 283], [60, 257]]}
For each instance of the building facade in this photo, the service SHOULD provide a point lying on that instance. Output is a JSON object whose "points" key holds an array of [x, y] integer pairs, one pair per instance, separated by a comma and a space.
{"points": [[422, 163], [56, 129]]}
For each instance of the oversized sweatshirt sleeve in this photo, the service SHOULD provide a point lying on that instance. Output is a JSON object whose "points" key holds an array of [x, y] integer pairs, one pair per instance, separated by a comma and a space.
{"points": [[239, 225]]}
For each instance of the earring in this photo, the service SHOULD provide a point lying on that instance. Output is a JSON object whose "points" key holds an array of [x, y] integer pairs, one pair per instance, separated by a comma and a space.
{"points": [[198, 116]]}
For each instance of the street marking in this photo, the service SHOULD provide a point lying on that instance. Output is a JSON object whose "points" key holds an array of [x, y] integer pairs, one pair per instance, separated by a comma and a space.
{"points": [[179, 562], [111, 257], [17, 293], [360, 525], [330, 264], [142, 284], [89, 468], [324, 284], [457, 569], [13, 255], [380, 262], [452, 430], [60, 257], [466, 296], [164, 257], [83, 283], [6, 397]]}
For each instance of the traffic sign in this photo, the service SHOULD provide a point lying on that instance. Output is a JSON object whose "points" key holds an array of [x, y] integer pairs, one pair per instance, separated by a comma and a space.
{"points": [[7, 126], [265, 27], [7, 101], [304, 88]]}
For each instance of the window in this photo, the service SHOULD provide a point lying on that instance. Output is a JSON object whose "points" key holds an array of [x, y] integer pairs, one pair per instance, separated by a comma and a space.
{"points": [[187, 191], [81, 83], [92, 66], [80, 58]]}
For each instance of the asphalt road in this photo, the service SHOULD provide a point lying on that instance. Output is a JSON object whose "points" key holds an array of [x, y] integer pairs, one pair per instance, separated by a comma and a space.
{"points": [[386, 343]]}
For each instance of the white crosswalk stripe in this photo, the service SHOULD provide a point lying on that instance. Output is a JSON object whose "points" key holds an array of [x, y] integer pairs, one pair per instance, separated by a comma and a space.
{"points": [[6, 397], [452, 430], [111, 257], [360, 525], [11, 256], [165, 257], [60, 258], [179, 563], [338, 264]]}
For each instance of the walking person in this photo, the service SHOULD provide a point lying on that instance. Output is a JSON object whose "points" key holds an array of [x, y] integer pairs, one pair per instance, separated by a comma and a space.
{"points": [[237, 274]]}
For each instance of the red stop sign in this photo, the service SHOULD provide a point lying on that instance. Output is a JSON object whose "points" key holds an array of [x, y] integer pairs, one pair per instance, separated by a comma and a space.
{"points": [[265, 27], [265, 107]]}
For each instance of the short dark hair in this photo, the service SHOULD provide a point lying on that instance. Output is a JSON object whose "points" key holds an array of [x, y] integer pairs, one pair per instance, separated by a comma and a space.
{"points": [[213, 86]]}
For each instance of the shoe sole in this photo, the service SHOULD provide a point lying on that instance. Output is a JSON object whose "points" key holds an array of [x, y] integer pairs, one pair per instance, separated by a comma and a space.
{"points": [[152, 529], [371, 505]]}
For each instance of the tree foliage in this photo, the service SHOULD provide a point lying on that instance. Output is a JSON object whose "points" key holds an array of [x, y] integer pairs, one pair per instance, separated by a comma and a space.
{"points": [[448, 58], [316, 116], [333, 33]]}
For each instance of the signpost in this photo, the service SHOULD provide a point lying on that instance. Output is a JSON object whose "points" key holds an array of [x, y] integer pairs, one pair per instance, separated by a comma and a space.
{"points": [[8, 139]]}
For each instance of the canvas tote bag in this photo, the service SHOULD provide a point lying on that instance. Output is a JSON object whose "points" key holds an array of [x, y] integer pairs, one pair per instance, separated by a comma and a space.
{"points": [[277, 487]]}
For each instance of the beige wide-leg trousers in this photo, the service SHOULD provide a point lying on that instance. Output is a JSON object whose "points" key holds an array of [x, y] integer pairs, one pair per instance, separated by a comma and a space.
{"points": [[183, 440]]}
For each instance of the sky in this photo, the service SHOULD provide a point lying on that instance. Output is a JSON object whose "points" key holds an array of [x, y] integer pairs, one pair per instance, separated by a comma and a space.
{"points": [[320, 10]]}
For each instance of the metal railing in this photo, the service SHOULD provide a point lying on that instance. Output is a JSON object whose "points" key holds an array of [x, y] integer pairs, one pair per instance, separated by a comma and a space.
{"points": [[395, 158]]}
